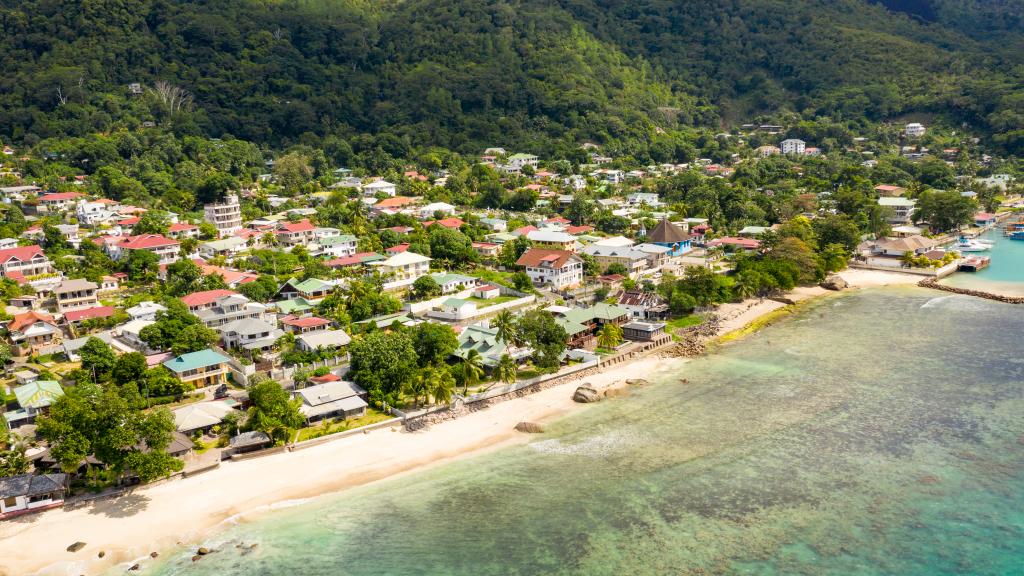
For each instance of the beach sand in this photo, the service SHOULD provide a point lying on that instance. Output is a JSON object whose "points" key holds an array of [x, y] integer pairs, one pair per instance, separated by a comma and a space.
{"points": [[158, 517]]}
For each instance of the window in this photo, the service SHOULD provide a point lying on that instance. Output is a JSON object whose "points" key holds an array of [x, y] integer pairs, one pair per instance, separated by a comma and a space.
{"points": [[10, 502]]}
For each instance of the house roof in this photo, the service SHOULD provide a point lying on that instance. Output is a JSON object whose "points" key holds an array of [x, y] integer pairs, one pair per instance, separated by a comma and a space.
{"points": [[305, 322], [599, 311], [667, 233], [908, 244], [89, 313], [313, 285], [60, 196], [21, 253], [249, 326], [200, 415], [31, 484], [294, 227], [75, 285], [353, 260], [325, 338], [405, 258], [748, 243], [395, 202], [194, 360], [453, 223], [251, 438], [329, 392], [38, 394], [206, 297], [21, 321], [897, 201], [146, 241], [534, 257]]}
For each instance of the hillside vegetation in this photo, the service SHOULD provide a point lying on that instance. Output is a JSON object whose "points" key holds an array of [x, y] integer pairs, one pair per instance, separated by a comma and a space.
{"points": [[462, 74]]}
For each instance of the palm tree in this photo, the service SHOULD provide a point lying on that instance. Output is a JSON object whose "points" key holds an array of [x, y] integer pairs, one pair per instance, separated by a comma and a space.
{"points": [[507, 370], [610, 336], [744, 287], [505, 324], [442, 385], [472, 369], [420, 385]]}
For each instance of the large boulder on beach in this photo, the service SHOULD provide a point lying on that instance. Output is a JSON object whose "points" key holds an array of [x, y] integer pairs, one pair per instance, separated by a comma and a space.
{"points": [[530, 427], [586, 394], [834, 282], [637, 382]]}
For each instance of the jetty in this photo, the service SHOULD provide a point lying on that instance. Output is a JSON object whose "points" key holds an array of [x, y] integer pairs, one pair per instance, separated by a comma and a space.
{"points": [[973, 263]]}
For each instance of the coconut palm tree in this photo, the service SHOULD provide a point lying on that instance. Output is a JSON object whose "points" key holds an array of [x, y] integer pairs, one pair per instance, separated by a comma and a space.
{"points": [[744, 287], [420, 385], [472, 369], [505, 324], [610, 336], [507, 370], [442, 385]]}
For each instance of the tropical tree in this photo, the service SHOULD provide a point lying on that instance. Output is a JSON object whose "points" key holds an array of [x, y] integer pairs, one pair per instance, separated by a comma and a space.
{"points": [[472, 368], [442, 385], [419, 385], [610, 336], [273, 411], [507, 371], [505, 324]]}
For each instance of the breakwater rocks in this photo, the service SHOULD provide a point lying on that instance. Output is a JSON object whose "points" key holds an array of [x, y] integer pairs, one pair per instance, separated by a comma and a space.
{"points": [[933, 283], [693, 340]]}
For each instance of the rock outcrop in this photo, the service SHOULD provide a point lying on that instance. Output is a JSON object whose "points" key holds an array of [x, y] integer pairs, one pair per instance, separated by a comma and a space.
{"points": [[637, 382], [834, 282], [530, 427], [586, 394]]}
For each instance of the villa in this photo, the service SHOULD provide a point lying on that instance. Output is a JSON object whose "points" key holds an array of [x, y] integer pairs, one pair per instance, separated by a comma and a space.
{"points": [[337, 399], [199, 369]]}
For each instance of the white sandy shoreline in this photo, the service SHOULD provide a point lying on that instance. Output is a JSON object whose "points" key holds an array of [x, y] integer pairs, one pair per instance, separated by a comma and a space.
{"points": [[159, 517]]}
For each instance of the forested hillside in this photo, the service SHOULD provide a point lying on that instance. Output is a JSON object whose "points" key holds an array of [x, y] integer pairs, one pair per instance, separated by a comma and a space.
{"points": [[460, 74]]}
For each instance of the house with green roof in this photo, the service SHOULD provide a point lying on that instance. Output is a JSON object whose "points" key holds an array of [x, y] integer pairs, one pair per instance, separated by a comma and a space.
{"points": [[491, 348], [33, 399], [451, 282], [339, 246], [592, 319], [296, 306], [311, 289], [203, 368], [387, 320]]}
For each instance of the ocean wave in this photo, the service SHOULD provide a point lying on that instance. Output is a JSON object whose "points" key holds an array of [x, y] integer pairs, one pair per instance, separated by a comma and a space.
{"points": [[957, 303], [280, 505], [593, 446]]}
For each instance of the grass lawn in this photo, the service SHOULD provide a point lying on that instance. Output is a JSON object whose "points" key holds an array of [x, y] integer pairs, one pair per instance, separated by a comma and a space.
{"points": [[494, 276], [684, 322], [371, 417], [484, 303]]}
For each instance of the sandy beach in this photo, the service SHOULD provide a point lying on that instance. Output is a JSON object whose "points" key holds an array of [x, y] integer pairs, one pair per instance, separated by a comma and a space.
{"points": [[158, 517]]}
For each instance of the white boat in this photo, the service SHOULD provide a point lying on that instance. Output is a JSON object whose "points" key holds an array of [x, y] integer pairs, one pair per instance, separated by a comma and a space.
{"points": [[964, 244]]}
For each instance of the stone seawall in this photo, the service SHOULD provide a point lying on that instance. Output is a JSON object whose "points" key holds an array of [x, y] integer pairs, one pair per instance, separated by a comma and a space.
{"points": [[934, 285]]}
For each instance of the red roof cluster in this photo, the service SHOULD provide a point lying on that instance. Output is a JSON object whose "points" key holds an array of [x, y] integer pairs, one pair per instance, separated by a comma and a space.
{"points": [[293, 227], [146, 242], [60, 196], [206, 297], [453, 223]]}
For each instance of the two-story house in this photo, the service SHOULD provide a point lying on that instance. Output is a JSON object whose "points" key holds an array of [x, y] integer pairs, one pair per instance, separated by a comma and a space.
{"points": [[23, 261], [556, 268], [165, 248], [404, 267], [199, 369], [228, 309], [76, 294], [31, 331], [301, 233]]}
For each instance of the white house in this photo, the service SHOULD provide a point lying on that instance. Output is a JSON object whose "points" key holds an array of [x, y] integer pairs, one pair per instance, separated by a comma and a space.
{"points": [[340, 246], [404, 266], [902, 208], [556, 268], [914, 130], [27, 492], [373, 188], [225, 216], [793, 146]]}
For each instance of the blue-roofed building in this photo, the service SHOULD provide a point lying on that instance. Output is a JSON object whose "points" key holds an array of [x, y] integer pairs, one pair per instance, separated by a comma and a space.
{"points": [[202, 368]]}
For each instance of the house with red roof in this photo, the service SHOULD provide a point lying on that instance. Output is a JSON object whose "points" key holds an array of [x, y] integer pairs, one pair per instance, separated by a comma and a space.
{"points": [[304, 324], [197, 301], [298, 233], [165, 248], [181, 230], [733, 242], [24, 261], [398, 248], [555, 268], [75, 316], [450, 223], [487, 249], [58, 201], [32, 331], [359, 259]]}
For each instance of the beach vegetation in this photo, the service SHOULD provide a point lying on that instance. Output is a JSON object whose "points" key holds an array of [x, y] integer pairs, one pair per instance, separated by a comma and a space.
{"points": [[273, 412], [383, 362], [547, 338]]}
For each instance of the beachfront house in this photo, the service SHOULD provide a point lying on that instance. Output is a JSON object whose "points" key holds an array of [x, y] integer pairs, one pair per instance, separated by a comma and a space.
{"points": [[337, 399], [30, 493], [34, 399]]}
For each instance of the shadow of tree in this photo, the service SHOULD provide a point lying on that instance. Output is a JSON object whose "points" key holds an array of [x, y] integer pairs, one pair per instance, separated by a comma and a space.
{"points": [[121, 507]]}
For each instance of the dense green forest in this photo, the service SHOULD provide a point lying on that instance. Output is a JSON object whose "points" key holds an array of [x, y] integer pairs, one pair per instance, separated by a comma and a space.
{"points": [[536, 75]]}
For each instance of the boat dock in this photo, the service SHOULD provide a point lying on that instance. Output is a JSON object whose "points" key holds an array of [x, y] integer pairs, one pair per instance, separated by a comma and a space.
{"points": [[973, 263]]}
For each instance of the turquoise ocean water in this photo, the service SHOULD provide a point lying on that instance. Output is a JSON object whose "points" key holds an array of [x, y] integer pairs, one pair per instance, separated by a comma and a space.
{"points": [[879, 432], [1006, 273]]}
